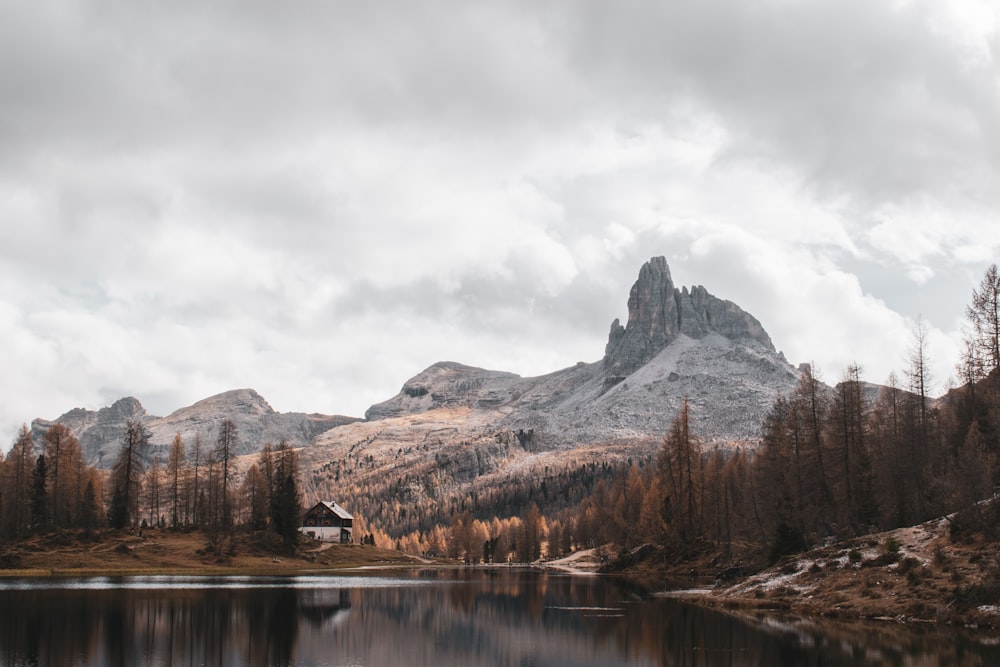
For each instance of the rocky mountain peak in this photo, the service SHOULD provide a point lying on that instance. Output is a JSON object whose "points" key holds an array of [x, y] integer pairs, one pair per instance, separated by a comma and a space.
{"points": [[121, 411], [234, 402], [447, 383], [659, 312]]}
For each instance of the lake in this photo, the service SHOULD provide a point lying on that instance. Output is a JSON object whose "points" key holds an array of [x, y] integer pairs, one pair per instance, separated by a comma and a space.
{"points": [[444, 618]]}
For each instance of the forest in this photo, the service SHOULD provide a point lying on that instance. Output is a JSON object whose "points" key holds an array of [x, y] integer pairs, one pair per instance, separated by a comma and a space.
{"points": [[837, 461], [199, 487]]}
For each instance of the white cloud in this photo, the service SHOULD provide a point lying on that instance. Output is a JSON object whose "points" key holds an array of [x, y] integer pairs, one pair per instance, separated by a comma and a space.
{"points": [[319, 203]]}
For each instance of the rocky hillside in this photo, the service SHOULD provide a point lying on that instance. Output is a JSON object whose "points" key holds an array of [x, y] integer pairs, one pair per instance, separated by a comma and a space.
{"points": [[677, 343], [458, 437], [100, 432]]}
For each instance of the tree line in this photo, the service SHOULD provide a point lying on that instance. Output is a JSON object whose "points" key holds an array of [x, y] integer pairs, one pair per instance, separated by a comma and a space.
{"points": [[197, 487], [830, 462]]}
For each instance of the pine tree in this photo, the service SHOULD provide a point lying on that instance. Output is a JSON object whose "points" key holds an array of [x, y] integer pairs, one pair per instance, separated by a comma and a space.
{"points": [[286, 510], [285, 498], [88, 507], [40, 495]]}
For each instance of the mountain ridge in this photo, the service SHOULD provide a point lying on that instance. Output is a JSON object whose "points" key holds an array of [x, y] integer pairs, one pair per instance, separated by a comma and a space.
{"points": [[678, 344]]}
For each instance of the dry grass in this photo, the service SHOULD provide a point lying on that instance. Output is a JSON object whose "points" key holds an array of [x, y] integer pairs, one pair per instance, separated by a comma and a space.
{"points": [[916, 574], [169, 552]]}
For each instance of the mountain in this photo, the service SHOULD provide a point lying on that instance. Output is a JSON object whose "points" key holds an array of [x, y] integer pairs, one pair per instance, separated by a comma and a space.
{"points": [[457, 437], [454, 431], [677, 344], [257, 422]]}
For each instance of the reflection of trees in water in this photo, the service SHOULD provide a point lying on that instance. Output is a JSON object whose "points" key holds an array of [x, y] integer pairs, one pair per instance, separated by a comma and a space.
{"points": [[500, 618], [51, 633], [532, 618], [165, 627]]}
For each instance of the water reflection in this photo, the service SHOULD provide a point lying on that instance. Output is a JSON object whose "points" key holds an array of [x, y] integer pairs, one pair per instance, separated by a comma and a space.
{"points": [[439, 618]]}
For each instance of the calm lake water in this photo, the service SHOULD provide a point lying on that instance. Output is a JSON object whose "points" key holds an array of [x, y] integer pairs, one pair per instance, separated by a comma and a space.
{"points": [[464, 618]]}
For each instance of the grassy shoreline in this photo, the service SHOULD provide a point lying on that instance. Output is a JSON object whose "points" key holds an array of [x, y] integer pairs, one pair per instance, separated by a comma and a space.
{"points": [[180, 553]]}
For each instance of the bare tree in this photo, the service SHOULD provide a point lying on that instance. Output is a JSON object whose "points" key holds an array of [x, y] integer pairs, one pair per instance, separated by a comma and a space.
{"points": [[225, 450], [916, 411], [63, 456], [154, 483], [175, 467], [679, 464], [196, 456], [846, 433], [984, 317], [19, 465], [126, 476]]}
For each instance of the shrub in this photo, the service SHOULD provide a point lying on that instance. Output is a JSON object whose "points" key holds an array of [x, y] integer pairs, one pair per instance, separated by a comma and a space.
{"points": [[787, 540], [882, 560], [940, 558], [854, 556], [985, 592]]}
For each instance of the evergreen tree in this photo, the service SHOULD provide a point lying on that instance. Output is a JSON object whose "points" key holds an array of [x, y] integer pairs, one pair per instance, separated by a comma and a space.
{"points": [[88, 507], [286, 509], [40, 495], [285, 498]]}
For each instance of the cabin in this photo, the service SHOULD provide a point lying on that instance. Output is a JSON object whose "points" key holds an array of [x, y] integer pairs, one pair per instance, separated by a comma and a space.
{"points": [[329, 522]]}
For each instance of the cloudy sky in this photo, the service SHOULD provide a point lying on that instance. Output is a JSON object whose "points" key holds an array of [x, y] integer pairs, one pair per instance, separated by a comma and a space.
{"points": [[318, 199]]}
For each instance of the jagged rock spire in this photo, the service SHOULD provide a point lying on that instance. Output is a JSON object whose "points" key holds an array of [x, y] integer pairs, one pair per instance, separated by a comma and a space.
{"points": [[658, 313]]}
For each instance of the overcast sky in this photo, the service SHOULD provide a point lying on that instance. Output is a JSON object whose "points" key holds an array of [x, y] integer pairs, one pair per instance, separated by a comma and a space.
{"points": [[320, 199]]}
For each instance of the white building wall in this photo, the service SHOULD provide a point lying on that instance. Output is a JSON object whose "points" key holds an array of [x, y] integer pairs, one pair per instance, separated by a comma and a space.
{"points": [[325, 533]]}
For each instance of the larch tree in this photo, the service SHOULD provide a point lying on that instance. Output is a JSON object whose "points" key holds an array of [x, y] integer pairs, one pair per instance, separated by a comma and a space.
{"points": [[679, 464], [984, 317], [256, 494], [20, 463], [154, 485], [126, 476], [917, 414], [846, 428], [175, 475], [225, 451], [810, 405], [265, 464], [196, 456], [532, 535], [889, 453], [780, 471], [62, 453]]}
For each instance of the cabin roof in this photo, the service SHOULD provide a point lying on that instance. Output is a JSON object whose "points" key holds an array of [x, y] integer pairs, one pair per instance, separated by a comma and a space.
{"points": [[335, 508]]}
